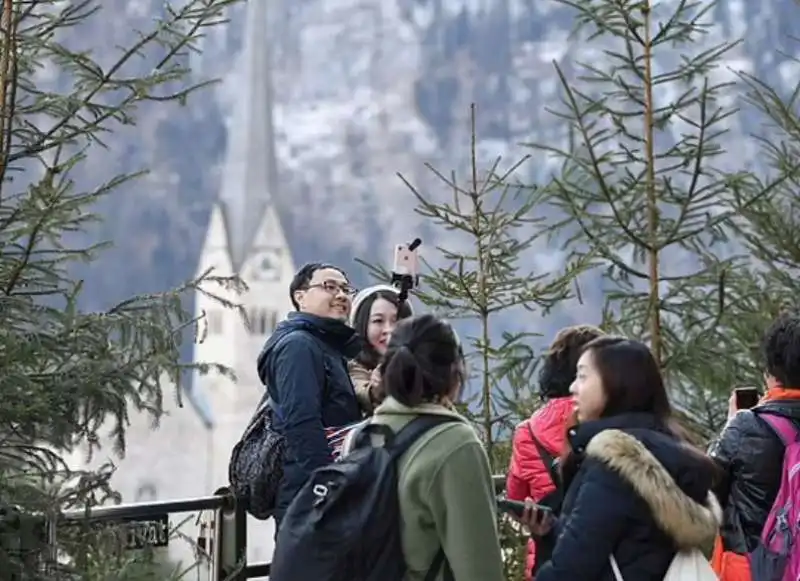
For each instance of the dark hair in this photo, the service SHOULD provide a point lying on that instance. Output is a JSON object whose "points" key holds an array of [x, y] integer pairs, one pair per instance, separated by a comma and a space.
{"points": [[302, 278], [422, 361], [561, 359], [369, 357], [631, 378], [781, 350], [632, 382]]}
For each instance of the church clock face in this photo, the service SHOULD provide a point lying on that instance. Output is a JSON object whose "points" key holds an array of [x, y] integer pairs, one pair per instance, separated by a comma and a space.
{"points": [[266, 265]]}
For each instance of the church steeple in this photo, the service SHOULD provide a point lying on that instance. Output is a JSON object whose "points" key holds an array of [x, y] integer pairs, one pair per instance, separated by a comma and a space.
{"points": [[249, 179]]}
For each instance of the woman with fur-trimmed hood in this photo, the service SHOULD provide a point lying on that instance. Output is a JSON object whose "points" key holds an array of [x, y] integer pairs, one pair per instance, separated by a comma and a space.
{"points": [[374, 315], [546, 430], [634, 488]]}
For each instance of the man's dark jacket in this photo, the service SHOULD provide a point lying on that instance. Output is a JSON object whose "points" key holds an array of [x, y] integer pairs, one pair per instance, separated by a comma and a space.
{"points": [[304, 368], [750, 454]]}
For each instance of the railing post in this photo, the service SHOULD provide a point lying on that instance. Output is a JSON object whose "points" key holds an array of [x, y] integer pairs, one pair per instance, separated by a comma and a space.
{"points": [[240, 540], [24, 549], [51, 562], [230, 548]]}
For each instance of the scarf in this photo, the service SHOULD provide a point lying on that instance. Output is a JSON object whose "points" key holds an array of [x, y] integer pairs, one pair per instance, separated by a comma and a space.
{"points": [[781, 394]]}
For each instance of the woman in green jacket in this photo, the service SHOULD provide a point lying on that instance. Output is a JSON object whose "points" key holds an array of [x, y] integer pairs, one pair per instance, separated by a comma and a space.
{"points": [[444, 485]]}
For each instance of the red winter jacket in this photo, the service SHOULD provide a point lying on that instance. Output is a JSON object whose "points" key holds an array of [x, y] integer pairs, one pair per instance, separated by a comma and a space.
{"points": [[527, 474]]}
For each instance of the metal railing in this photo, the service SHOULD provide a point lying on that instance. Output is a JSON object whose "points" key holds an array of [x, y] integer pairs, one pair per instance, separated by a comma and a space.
{"points": [[229, 544], [148, 524]]}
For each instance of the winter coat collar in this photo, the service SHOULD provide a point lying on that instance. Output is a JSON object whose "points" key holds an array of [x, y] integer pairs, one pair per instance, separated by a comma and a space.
{"points": [[337, 334], [581, 434], [787, 406], [688, 522], [392, 407]]}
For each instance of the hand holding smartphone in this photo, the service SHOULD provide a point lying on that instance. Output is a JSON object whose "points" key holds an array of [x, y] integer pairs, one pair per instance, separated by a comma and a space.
{"points": [[537, 518], [746, 397], [405, 269], [511, 507], [406, 259]]}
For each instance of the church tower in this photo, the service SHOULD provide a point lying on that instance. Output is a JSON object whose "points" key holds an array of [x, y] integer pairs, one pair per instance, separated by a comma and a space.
{"points": [[244, 237], [187, 455]]}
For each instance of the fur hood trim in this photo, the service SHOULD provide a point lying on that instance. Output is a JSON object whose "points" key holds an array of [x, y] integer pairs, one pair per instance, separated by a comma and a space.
{"points": [[689, 523]]}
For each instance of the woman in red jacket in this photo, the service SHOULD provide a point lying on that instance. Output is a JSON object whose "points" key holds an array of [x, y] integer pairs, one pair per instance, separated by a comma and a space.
{"points": [[545, 431]]}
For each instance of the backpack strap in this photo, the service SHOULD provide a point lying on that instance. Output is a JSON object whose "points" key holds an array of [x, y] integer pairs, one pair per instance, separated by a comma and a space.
{"points": [[409, 433], [548, 459], [263, 405], [785, 428], [439, 561]]}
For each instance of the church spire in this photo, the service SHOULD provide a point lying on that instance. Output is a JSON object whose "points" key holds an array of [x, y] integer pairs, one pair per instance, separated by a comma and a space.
{"points": [[249, 179]]}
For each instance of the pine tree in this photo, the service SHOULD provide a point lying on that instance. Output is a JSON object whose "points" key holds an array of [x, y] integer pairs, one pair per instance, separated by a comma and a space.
{"points": [[643, 189], [66, 372], [771, 227], [491, 233]]}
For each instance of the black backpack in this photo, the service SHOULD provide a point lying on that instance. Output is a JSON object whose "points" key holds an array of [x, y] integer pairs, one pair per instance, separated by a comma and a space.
{"points": [[255, 469], [344, 524]]}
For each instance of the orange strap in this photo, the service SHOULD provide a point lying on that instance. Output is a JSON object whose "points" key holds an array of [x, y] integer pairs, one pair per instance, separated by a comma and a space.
{"points": [[729, 566]]}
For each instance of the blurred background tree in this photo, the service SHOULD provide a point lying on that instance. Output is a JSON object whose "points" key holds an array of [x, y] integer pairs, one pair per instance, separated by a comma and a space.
{"points": [[770, 227], [482, 283], [644, 191]]}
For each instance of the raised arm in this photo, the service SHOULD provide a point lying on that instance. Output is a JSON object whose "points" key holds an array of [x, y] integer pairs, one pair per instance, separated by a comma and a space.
{"points": [[361, 378], [737, 449]]}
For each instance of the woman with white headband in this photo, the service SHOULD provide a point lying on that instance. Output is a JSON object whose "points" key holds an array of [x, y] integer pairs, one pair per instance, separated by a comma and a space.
{"points": [[374, 315]]}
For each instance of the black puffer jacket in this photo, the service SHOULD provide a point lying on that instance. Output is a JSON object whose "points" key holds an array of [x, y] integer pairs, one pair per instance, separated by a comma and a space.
{"points": [[750, 454], [638, 493]]}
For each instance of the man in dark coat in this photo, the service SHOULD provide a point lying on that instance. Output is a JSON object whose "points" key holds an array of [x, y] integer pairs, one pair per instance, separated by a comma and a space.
{"points": [[750, 453], [304, 367]]}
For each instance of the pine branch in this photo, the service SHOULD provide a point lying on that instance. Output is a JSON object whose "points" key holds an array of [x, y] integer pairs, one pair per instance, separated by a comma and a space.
{"points": [[643, 194], [483, 282], [69, 378]]}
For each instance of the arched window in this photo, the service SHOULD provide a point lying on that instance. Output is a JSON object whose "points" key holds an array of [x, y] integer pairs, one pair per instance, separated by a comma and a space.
{"points": [[261, 321]]}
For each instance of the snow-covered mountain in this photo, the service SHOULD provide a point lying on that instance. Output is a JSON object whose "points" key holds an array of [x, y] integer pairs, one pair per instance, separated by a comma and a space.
{"points": [[366, 89]]}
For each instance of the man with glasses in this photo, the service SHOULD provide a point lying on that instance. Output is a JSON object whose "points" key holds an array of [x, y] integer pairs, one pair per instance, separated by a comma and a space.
{"points": [[304, 368]]}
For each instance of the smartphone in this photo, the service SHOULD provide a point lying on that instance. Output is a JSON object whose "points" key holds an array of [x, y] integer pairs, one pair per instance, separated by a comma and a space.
{"points": [[517, 507], [746, 397], [406, 259]]}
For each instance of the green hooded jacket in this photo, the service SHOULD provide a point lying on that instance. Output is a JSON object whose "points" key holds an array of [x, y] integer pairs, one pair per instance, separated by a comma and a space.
{"points": [[446, 497]]}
